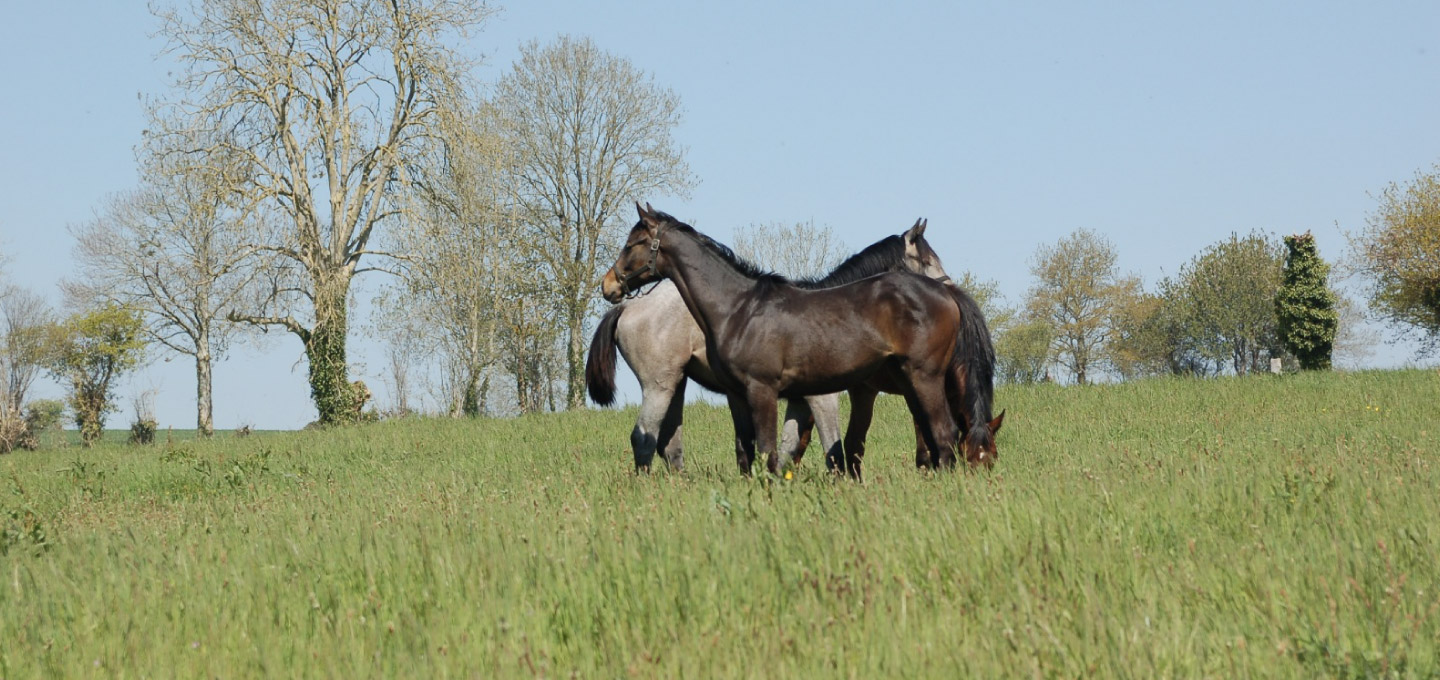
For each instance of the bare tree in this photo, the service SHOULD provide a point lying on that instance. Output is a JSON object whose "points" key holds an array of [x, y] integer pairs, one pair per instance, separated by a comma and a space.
{"points": [[587, 134], [460, 281], [24, 318], [1078, 287], [177, 251], [325, 103], [1355, 342], [801, 250], [407, 342]]}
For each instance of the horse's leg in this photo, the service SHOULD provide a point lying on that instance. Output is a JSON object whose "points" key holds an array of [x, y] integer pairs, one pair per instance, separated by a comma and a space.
{"points": [[931, 410], [762, 411], [795, 431], [671, 440], [744, 432], [826, 409], [655, 400], [922, 452], [862, 409]]}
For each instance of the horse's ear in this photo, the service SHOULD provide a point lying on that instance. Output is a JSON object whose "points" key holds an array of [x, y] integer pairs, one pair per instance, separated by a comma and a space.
{"points": [[996, 423], [916, 231], [640, 209]]}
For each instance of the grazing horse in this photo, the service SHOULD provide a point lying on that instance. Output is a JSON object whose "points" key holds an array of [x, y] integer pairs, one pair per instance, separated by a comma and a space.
{"points": [[766, 338], [970, 389], [663, 345]]}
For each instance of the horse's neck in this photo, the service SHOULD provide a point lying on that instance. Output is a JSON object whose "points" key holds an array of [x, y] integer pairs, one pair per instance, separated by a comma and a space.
{"points": [[709, 285]]}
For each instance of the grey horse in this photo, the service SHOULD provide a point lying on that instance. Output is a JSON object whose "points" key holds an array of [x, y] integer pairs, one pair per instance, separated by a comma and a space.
{"points": [[663, 345]]}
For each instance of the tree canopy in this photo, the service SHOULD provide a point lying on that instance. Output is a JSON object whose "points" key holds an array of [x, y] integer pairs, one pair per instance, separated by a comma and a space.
{"points": [[1398, 252]]}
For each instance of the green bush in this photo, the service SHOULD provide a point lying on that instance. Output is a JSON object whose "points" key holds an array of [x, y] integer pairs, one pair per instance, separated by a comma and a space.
{"points": [[43, 415], [143, 431]]}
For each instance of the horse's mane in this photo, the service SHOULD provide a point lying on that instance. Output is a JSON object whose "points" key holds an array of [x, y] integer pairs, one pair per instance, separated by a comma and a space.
{"points": [[749, 269], [880, 257]]}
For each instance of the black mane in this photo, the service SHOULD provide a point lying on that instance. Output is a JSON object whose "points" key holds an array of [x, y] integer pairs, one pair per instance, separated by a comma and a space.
{"points": [[739, 263], [885, 255]]}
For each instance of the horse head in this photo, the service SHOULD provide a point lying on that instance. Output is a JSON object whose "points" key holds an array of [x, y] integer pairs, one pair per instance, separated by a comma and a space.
{"points": [[978, 444], [637, 263], [920, 258]]}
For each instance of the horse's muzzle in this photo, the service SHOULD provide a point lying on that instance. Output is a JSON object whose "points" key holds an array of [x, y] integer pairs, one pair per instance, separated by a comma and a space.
{"points": [[611, 289]]}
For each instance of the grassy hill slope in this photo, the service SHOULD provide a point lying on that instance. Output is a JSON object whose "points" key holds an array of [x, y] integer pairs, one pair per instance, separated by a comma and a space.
{"points": [[1276, 527]]}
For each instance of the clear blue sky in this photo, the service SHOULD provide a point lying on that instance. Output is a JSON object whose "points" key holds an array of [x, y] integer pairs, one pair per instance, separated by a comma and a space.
{"points": [[1165, 126]]}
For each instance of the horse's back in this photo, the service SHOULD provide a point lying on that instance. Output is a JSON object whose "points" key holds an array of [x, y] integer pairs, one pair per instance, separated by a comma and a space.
{"points": [[917, 314]]}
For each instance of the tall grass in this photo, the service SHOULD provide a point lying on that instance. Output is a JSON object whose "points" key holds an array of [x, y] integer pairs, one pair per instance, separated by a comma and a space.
{"points": [[1260, 527]]}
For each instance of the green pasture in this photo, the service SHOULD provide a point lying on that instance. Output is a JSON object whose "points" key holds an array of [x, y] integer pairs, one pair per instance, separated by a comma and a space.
{"points": [[1262, 527]]}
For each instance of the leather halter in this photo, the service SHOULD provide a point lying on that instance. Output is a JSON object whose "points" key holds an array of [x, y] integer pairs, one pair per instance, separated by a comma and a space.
{"points": [[649, 268]]}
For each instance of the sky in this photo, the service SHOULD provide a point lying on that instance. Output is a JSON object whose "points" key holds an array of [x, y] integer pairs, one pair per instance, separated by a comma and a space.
{"points": [[1163, 126]]}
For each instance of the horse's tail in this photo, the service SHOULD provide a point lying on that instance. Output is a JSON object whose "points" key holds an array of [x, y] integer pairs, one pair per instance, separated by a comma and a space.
{"points": [[600, 364], [974, 361]]}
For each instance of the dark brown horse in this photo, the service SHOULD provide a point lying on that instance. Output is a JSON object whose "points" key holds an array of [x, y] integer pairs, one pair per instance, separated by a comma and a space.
{"points": [[766, 338], [664, 346]]}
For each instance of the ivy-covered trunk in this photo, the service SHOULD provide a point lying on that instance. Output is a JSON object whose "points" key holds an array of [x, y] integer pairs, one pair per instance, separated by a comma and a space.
{"points": [[89, 403], [470, 400], [330, 388]]}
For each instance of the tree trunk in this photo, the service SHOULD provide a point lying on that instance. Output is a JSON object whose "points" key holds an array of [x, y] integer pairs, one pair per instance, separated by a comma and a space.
{"points": [[485, 394], [470, 401], [575, 358], [325, 349], [204, 411], [89, 402]]}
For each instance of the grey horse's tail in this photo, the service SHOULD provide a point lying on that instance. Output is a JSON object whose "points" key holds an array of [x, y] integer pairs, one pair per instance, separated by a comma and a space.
{"points": [[600, 364]]}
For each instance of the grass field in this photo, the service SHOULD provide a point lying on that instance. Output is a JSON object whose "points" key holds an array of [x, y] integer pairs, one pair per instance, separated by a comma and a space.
{"points": [[1266, 527]]}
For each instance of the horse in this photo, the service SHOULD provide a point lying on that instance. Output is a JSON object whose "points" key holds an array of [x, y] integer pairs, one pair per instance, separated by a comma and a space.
{"points": [[663, 345], [766, 338]]}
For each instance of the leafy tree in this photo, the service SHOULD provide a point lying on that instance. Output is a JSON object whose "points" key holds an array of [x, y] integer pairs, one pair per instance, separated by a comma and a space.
{"points": [[1399, 252], [986, 293], [1078, 288], [1228, 296], [324, 104], [1156, 333], [1140, 346], [43, 415], [1306, 319], [1022, 351], [88, 351], [588, 133]]}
